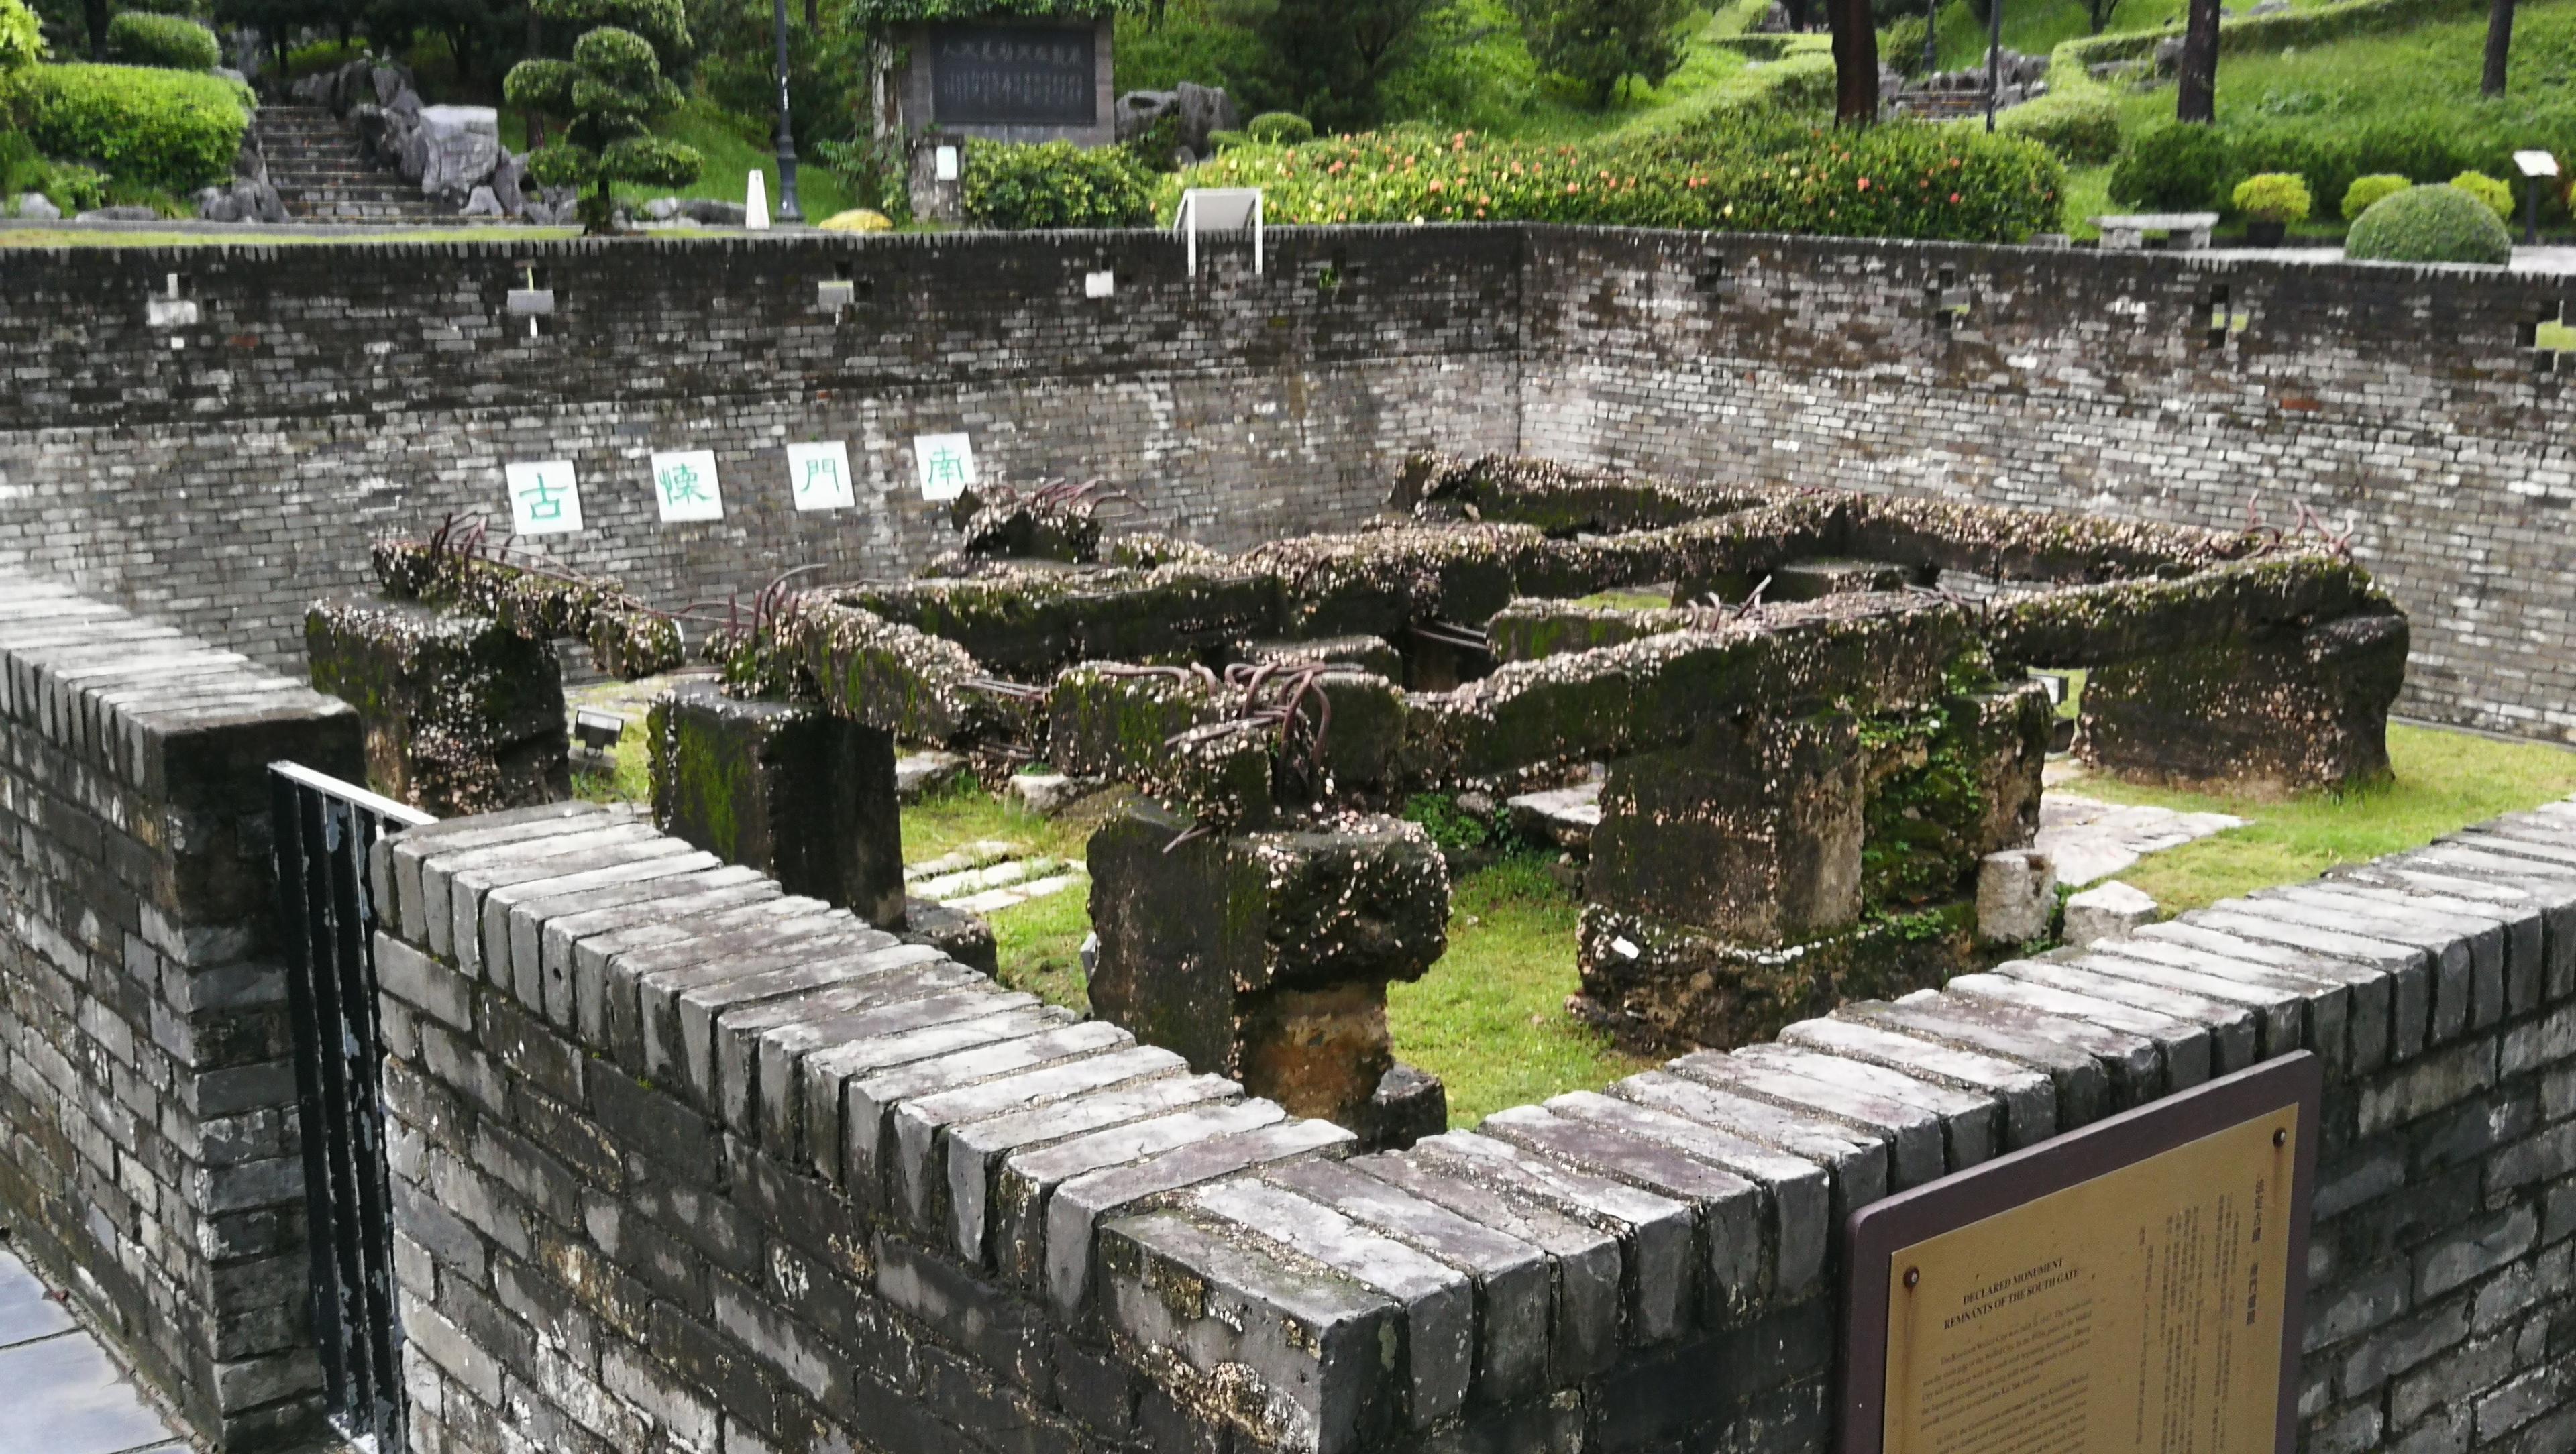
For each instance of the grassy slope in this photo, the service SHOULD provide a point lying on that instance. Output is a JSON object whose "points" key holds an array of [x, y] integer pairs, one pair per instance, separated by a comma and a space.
{"points": [[2445, 782]]}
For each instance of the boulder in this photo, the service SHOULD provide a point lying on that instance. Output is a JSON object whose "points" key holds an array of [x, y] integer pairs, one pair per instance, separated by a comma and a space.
{"points": [[509, 184], [2016, 894], [390, 82], [1137, 111], [712, 212], [459, 147], [1048, 793], [1201, 109], [216, 204], [36, 206], [2106, 911], [406, 103], [119, 214], [661, 209], [483, 204]]}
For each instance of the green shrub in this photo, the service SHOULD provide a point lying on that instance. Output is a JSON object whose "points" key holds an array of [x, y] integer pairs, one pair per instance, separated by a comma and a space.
{"points": [[2082, 127], [1055, 184], [2170, 167], [2273, 197], [2497, 195], [171, 42], [22, 38], [171, 131], [2437, 224], [1763, 174], [1900, 45], [1223, 140], [1279, 128], [2364, 191]]}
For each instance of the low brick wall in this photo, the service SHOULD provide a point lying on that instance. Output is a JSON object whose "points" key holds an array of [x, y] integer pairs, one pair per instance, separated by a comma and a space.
{"points": [[682, 1162], [148, 1150]]}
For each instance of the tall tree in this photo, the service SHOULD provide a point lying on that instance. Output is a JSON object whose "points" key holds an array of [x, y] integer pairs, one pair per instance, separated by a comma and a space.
{"points": [[1599, 44], [1334, 54], [2499, 46], [2196, 87], [1855, 31], [606, 98]]}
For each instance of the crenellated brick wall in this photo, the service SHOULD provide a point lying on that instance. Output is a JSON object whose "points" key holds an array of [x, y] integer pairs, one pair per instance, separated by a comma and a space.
{"points": [[701, 1166], [149, 1148]]}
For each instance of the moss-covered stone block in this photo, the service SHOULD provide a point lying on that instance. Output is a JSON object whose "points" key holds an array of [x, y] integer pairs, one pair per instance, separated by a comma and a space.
{"points": [[1266, 956], [1750, 832], [461, 714], [2293, 711], [1662, 988], [1948, 785], [784, 787]]}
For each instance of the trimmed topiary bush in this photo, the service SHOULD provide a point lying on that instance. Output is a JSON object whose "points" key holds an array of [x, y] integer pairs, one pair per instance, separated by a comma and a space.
{"points": [[22, 38], [2497, 195], [171, 42], [1055, 184], [151, 129], [608, 95], [2365, 191], [1279, 128], [2437, 224], [2170, 167], [2274, 197], [2082, 127]]}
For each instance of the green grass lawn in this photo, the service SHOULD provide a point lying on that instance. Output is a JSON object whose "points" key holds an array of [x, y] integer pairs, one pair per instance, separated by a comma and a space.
{"points": [[83, 237], [1489, 1019], [2445, 782], [1037, 944]]}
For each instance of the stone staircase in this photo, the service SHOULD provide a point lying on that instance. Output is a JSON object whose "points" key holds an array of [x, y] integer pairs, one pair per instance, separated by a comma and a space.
{"points": [[323, 175]]}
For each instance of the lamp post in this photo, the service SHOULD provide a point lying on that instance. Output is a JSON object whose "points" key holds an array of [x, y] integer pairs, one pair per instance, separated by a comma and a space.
{"points": [[788, 211], [1994, 57]]}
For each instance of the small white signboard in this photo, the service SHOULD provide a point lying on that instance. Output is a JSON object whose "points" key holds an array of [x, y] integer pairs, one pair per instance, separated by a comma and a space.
{"points": [[946, 464], [818, 475], [545, 498], [2535, 163], [684, 485]]}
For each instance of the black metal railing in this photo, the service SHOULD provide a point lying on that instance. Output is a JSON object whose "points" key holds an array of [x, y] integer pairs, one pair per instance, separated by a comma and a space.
{"points": [[327, 918]]}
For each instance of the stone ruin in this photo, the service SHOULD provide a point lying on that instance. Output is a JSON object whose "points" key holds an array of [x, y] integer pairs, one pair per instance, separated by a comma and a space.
{"points": [[1806, 765]]}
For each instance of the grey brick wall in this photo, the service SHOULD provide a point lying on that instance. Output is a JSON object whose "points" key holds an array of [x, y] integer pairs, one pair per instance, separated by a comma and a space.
{"points": [[321, 395], [148, 1133], [324, 396], [684, 1163]]}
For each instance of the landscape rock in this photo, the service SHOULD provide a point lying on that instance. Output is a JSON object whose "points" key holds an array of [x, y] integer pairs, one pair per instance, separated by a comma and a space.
{"points": [[38, 207], [1200, 110], [119, 214], [661, 209], [712, 212], [257, 201], [2016, 893], [459, 147], [483, 204], [919, 774], [509, 184], [216, 204], [1049, 793], [2106, 911]]}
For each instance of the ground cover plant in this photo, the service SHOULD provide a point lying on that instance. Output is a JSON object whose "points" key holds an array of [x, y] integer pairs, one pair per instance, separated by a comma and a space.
{"points": [[1777, 175], [2445, 782]]}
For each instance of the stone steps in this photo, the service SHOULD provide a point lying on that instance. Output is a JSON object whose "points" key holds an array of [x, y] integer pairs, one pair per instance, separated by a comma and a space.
{"points": [[322, 174]]}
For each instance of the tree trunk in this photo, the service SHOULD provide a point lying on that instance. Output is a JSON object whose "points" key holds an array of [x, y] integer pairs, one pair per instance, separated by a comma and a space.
{"points": [[94, 17], [814, 18], [2499, 46], [1855, 62], [2196, 89]]}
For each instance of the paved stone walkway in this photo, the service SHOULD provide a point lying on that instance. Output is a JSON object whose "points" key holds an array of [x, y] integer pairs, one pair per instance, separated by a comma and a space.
{"points": [[2090, 840], [989, 874], [64, 1394]]}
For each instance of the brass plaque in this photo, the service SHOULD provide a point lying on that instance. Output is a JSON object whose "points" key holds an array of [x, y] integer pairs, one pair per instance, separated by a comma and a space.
{"points": [[2131, 1288]]}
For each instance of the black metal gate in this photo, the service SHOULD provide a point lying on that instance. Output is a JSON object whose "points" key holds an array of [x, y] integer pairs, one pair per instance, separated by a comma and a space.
{"points": [[327, 917]]}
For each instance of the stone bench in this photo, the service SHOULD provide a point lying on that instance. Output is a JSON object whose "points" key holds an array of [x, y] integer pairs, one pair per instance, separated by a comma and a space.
{"points": [[2183, 229]]}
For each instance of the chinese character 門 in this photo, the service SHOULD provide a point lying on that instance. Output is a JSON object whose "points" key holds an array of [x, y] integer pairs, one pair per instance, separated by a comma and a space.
{"points": [[819, 474]]}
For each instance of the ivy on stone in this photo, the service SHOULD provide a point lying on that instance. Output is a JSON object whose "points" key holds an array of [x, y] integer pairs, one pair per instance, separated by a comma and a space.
{"points": [[607, 97]]}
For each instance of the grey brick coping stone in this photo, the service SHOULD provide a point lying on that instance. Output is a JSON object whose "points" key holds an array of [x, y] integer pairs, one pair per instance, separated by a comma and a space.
{"points": [[1245, 1257]]}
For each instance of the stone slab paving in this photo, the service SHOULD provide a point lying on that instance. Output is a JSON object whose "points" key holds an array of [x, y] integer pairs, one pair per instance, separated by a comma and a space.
{"points": [[2090, 840], [65, 1395], [989, 874]]}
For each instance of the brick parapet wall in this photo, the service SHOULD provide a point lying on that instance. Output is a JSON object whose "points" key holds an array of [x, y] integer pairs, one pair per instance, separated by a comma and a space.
{"points": [[2401, 404], [684, 1163], [148, 1130], [319, 396]]}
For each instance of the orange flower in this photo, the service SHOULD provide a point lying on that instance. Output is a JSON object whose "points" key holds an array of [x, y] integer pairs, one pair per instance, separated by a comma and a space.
{"points": [[1954, 196], [1864, 184]]}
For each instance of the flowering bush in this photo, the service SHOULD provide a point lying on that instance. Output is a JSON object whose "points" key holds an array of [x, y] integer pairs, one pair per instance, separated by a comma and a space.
{"points": [[1900, 179]]}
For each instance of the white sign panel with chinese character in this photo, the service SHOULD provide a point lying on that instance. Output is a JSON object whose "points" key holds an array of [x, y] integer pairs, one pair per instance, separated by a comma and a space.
{"points": [[819, 475], [545, 499], [684, 485], [946, 463]]}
